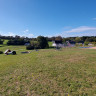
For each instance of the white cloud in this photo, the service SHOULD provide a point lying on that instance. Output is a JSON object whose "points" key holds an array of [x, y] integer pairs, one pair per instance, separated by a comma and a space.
{"points": [[82, 29], [7, 34], [79, 31], [11, 34], [94, 18], [25, 31], [30, 35]]}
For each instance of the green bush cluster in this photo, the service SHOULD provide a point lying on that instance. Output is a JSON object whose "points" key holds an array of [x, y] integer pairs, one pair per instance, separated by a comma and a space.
{"points": [[1, 41], [41, 43], [79, 44], [86, 43]]}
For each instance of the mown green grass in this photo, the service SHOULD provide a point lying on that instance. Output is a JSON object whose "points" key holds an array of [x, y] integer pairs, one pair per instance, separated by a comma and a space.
{"points": [[5, 41], [48, 72], [50, 44]]}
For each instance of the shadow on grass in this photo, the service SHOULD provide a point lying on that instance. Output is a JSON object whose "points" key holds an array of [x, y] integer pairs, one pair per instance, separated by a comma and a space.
{"points": [[51, 47], [1, 45]]}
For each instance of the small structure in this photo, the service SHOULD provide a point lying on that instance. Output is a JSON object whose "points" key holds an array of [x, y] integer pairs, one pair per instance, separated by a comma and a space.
{"points": [[70, 43], [27, 44], [8, 52], [61, 45], [57, 44], [90, 44]]}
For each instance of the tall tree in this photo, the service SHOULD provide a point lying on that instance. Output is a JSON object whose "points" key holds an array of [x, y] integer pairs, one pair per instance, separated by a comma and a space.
{"points": [[59, 38], [42, 41]]}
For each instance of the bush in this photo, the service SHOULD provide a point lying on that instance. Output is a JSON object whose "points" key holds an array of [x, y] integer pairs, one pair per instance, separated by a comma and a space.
{"points": [[94, 43], [86, 43], [16, 42], [42, 42], [29, 47], [79, 44], [1, 52], [1, 41], [34, 45]]}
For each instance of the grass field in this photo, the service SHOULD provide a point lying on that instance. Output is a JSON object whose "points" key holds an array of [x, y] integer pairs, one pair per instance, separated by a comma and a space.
{"points": [[48, 72], [50, 44], [5, 41]]}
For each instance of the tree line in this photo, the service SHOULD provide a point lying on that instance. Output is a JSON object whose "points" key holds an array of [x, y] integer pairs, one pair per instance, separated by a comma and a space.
{"points": [[42, 42], [76, 39]]}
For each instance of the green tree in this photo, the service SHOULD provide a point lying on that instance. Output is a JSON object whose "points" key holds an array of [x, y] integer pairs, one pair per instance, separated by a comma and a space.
{"points": [[58, 38], [86, 43], [1, 41], [77, 39], [42, 41]]}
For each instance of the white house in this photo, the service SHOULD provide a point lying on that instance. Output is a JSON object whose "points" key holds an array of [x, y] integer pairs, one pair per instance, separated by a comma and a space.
{"points": [[60, 44]]}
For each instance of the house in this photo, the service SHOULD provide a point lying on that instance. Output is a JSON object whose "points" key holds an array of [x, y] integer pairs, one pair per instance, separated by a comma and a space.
{"points": [[70, 43], [90, 44], [26, 44], [60, 44], [57, 44]]}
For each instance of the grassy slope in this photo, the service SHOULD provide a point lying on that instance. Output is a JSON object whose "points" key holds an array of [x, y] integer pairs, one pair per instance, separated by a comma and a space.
{"points": [[48, 72], [5, 42], [50, 44]]}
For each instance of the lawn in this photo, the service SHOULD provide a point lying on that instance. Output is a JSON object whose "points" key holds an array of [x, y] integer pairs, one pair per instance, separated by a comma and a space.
{"points": [[5, 41], [48, 72], [50, 44]]}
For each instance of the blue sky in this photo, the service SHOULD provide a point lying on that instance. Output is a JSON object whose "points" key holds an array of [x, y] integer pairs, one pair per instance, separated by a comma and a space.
{"points": [[32, 18]]}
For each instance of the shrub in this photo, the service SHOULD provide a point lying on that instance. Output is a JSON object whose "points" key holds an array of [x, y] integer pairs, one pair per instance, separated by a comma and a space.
{"points": [[1, 41], [42, 41], [86, 43], [1, 52], [16, 42], [29, 47], [79, 44], [34, 45], [94, 43]]}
